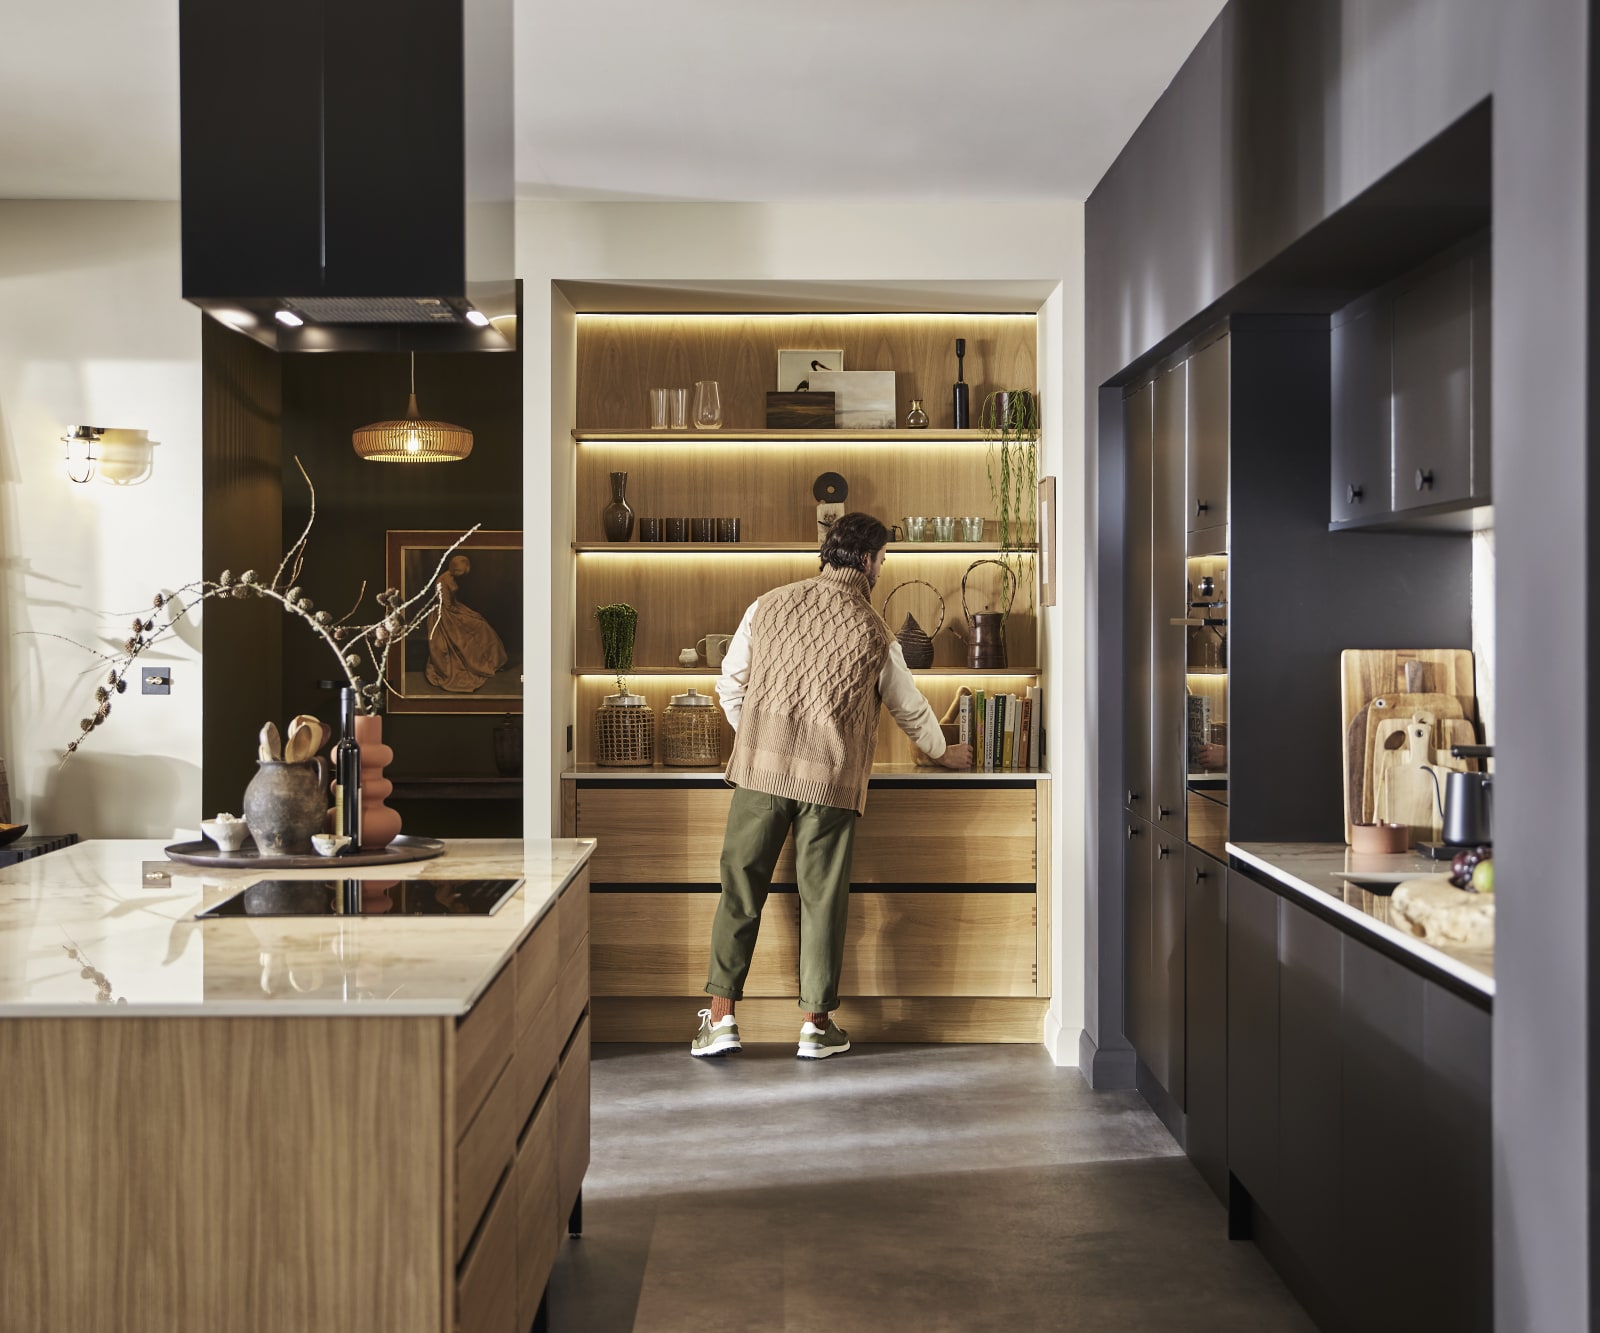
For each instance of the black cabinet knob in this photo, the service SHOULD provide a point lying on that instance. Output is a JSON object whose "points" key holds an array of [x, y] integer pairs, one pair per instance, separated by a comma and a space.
{"points": [[1199, 875], [1163, 813], [1201, 507], [1164, 852], [1424, 478], [1132, 796], [1133, 830], [1353, 494]]}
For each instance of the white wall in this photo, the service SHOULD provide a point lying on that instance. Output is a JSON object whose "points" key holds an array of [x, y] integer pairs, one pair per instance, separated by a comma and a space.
{"points": [[844, 246], [93, 330]]}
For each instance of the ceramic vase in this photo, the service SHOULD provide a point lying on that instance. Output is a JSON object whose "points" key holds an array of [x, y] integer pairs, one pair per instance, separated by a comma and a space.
{"points": [[379, 824], [284, 806], [618, 518]]}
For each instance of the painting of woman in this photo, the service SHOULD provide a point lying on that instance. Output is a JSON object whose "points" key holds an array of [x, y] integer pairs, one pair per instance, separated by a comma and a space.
{"points": [[463, 650]]}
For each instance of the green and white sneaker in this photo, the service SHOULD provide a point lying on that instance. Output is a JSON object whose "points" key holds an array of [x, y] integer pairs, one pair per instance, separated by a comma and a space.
{"points": [[715, 1038], [819, 1043]]}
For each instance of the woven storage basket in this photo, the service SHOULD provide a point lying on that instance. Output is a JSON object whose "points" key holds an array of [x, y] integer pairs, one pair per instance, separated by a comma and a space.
{"points": [[691, 732], [624, 732], [915, 643]]}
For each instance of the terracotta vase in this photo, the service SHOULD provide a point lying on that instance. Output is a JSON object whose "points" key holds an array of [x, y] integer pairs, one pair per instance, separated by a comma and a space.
{"points": [[379, 825]]}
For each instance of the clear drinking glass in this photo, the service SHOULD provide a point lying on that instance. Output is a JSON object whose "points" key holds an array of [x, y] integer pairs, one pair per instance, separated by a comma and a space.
{"points": [[658, 409], [678, 408], [944, 528], [707, 405]]}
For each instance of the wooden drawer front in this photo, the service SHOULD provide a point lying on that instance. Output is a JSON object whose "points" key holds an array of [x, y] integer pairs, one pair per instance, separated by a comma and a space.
{"points": [[483, 1045], [483, 1153], [538, 1050], [939, 944], [924, 836], [573, 912], [572, 990], [538, 962], [486, 1288], [660, 944], [572, 1121], [538, 1221], [659, 837], [946, 837]]}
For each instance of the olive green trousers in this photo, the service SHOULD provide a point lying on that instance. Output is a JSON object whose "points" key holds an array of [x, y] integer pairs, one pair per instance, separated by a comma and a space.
{"points": [[824, 838]]}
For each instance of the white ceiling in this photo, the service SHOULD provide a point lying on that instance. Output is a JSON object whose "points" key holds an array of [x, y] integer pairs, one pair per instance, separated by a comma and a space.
{"points": [[706, 99]]}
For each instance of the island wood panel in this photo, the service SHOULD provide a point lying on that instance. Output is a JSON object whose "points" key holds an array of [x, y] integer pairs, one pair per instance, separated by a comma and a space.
{"points": [[538, 1052], [483, 1044], [905, 944], [767, 484], [1044, 823], [683, 596], [108, 1126], [538, 966], [931, 1018], [972, 835], [893, 746], [481, 1156], [621, 357], [660, 943], [539, 1221], [486, 1295], [572, 1121]]}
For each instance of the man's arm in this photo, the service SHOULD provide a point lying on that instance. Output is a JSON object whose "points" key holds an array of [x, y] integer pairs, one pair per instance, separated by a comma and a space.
{"points": [[735, 675], [913, 714]]}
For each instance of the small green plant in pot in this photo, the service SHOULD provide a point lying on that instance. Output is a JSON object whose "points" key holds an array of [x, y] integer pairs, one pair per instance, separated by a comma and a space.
{"points": [[1009, 419], [624, 726]]}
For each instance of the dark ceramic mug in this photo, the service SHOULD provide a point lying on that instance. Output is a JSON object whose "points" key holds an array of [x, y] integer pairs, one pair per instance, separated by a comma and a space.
{"points": [[703, 529], [727, 529], [650, 529], [676, 529]]}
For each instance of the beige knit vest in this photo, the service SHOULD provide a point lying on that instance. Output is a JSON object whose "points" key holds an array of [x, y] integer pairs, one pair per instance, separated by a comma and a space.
{"points": [[810, 718]]}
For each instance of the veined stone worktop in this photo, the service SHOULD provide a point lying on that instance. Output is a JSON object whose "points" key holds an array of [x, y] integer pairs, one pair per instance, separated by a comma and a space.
{"points": [[82, 933]]}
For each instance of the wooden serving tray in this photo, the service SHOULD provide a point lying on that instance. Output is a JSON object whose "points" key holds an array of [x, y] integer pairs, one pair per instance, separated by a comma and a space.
{"points": [[205, 853]]}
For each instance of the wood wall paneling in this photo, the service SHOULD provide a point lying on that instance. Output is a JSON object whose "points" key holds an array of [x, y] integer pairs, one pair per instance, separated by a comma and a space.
{"points": [[903, 944], [659, 944], [921, 1018], [622, 357]]}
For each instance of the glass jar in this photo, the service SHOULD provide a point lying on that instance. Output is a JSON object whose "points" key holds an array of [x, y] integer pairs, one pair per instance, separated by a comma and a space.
{"points": [[916, 418], [691, 731], [707, 405]]}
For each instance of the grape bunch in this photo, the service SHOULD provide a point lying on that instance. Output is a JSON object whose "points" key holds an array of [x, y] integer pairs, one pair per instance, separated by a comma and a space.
{"points": [[1472, 869]]}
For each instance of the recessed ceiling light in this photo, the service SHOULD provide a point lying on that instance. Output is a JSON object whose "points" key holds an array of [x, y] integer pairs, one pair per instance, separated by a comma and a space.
{"points": [[288, 317], [479, 318]]}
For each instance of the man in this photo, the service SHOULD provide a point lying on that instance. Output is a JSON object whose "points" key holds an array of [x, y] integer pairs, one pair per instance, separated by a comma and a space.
{"points": [[801, 685]]}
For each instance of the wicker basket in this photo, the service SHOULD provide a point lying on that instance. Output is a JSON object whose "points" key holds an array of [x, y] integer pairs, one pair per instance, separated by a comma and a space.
{"points": [[624, 732], [691, 732], [915, 643]]}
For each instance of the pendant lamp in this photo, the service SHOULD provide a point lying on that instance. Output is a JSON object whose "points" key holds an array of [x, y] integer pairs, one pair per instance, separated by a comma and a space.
{"points": [[412, 440]]}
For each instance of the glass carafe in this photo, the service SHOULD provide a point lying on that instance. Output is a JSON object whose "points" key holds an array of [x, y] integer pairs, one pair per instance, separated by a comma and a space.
{"points": [[707, 405]]}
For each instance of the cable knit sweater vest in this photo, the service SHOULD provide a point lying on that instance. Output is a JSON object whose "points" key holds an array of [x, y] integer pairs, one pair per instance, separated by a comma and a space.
{"points": [[810, 718]]}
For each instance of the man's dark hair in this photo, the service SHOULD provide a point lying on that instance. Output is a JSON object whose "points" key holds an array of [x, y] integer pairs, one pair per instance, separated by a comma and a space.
{"points": [[851, 540]]}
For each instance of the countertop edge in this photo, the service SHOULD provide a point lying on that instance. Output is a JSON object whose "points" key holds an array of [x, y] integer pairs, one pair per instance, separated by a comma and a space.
{"points": [[1461, 972]]}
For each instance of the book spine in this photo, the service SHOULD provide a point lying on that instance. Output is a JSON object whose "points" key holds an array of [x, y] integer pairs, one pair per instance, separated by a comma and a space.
{"points": [[979, 709], [998, 732], [1008, 742], [1036, 728], [1025, 737]]}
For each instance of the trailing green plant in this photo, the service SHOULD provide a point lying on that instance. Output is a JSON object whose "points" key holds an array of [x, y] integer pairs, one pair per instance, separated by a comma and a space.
{"points": [[1009, 419], [618, 624]]}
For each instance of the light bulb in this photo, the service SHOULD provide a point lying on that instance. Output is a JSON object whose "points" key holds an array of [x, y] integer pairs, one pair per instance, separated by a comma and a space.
{"points": [[413, 444]]}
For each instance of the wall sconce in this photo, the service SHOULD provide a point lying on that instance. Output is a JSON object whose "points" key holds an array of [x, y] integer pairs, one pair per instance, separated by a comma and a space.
{"points": [[120, 457]]}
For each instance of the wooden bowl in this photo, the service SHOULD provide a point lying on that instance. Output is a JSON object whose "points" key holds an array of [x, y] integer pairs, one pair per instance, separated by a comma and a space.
{"points": [[1380, 839]]}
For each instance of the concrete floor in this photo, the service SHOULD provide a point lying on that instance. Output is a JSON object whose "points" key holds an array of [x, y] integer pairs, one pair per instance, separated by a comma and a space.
{"points": [[919, 1188]]}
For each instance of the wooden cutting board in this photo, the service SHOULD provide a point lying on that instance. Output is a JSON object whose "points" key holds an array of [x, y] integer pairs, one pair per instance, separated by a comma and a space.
{"points": [[1396, 709], [1405, 788]]}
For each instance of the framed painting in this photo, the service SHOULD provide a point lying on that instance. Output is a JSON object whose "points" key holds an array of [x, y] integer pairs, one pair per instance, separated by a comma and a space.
{"points": [[467, 656], [796, 366]]}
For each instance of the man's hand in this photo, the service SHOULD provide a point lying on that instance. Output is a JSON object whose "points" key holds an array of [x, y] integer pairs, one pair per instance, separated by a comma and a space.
{"points": [[956, 756]]}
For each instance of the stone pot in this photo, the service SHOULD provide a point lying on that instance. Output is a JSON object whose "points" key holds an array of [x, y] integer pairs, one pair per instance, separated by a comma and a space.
{"points": [[284, 805]]}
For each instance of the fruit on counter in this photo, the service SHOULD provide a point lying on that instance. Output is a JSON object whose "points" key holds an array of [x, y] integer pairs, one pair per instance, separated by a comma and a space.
{"points": [[1483, 876], [1464, 866]]}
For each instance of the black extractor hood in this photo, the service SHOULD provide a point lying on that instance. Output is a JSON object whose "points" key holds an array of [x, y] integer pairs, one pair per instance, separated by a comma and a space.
{"points": [[348, 171]]}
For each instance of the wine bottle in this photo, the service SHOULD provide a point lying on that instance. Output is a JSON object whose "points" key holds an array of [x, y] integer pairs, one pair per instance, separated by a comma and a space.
{"points": [[962, 413], [347, 769]]}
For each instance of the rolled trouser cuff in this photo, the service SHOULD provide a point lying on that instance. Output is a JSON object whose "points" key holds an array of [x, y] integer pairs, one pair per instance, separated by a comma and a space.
{"points": [[723, 992]]}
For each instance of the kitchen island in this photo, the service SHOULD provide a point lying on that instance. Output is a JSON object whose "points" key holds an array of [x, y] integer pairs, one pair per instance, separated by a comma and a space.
{"points": [[288, 1122]]}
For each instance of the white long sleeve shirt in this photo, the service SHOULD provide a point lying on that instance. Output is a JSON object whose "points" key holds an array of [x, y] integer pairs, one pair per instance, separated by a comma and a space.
{"points": [[897, 687]]}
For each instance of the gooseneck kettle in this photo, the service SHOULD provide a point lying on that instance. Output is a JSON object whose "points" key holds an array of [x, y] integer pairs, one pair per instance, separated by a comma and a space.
{"points": [[1465, 805]]}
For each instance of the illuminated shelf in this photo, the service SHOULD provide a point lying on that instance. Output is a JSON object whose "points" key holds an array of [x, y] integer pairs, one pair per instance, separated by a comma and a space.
{"points": [[789, 548], [716, 671], [1206, 671], [801, 436]]}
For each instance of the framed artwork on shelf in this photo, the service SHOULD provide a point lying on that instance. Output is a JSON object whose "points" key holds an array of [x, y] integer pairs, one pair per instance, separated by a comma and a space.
{"points": [[796, 366], [467, 657], [862, 399]]}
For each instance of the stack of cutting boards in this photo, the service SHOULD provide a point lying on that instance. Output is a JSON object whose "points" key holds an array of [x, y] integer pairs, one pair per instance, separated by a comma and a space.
{"points": [[1403, 708]]}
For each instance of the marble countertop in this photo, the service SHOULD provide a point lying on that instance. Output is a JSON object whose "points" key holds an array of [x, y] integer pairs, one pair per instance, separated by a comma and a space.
{"points": [[87, 931], [1330, 874], [715, 776]]}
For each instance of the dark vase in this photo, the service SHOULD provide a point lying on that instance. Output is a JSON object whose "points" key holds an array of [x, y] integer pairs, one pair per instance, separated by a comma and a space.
{"points": [[508, 746], [618, 517]]}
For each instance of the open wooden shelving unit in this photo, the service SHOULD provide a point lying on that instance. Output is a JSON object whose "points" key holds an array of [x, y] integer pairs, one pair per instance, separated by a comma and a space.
{"points": [[923, 877]]}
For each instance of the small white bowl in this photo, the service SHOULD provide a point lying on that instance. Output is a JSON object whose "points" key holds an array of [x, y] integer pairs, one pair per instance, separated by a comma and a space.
{"points": [[329, 844], [229, 836]]}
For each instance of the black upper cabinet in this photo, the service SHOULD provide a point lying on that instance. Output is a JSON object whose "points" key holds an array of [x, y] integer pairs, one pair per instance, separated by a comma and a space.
{"points": [[1168, 602], [1207, 506], [1361, 428], [1433, 389]]}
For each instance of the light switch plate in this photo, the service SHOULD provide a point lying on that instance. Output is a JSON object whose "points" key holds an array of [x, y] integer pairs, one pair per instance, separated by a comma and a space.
{"points": [[155, 680]]}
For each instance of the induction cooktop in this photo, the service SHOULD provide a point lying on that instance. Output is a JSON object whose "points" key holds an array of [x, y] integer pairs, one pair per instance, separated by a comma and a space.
{"points": [[366, 897]]}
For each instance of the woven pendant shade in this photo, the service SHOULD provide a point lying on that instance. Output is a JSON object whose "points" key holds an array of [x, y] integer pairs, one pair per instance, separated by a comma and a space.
{"points": [[412, 439]]}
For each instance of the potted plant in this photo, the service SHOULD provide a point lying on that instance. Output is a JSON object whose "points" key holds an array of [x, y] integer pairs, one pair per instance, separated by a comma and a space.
{"points": [[1009, 420], [624, 727]]}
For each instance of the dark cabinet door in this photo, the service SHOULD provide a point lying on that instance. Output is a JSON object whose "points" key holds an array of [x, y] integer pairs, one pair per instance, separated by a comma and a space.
{"points": [[1455, 1226], [1309, 983], [1167, 964], [1139, 987], [1169, 601], [1205, 984], [1384, 1144], [1482, 376], [1433, 388], [1207, 455], [1361, 424], [1253, 1037], [1140, 423]]}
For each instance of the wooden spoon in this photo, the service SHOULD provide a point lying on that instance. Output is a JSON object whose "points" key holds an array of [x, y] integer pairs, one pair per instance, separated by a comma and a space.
{"points": [[304, 732], [271, 748]]}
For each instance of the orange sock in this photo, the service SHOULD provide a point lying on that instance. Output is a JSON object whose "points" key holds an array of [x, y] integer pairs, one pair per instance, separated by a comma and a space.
{"points": [[721, 1008], [818, 1020]]}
